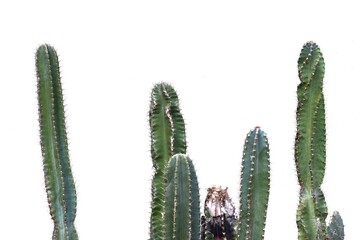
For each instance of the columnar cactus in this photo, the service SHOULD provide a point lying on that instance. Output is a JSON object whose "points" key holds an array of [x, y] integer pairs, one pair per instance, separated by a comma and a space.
{"points": [[310, 144], [255, 185], [59, 181], [220, 221], [182, 205], [167, 139]]}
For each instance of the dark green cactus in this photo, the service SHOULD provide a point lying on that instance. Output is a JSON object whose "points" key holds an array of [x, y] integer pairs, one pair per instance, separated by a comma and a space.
{"points": [[182, 205], [255, 185], [167, 139], [59, 181], [335, 229]]}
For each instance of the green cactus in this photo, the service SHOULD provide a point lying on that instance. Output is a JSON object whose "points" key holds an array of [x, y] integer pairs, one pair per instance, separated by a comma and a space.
{"points": [[255, 184], [335, 229], [220, 221], [310, 143], [182, 205], [310, 152], [167, 139], [59, 181]]}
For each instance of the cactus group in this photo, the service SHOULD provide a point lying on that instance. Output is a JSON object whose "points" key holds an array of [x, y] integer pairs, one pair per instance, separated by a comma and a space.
{"points": [[59, 181], [175, 204], [310, 143], [168, 143]]}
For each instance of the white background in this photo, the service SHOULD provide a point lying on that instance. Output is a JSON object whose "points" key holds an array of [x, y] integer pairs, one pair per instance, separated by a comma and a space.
{"points": [[234, 66]]}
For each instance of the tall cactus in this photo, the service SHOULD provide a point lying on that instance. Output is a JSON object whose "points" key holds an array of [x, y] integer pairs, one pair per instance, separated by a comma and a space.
{"points": [[59, 181], [255, 184], [310, 143], [167, 139], [182, 206], [310, 152]]}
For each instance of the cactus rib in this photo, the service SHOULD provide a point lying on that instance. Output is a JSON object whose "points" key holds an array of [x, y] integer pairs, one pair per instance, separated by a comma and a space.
{"points": [[59, 181]]}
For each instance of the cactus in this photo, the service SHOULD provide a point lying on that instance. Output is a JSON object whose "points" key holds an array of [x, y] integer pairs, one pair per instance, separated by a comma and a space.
{"points": [[335, 229], [255, 184], [182, 206], [310, 152], [167, 139], [171, 217], [59, 181], [220, 221], [310, 143]]}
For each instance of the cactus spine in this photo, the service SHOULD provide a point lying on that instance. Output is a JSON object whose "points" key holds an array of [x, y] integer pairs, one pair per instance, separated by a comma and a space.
{"points": [[59, 181], [167, 139], [255, 184], [182, 207]]}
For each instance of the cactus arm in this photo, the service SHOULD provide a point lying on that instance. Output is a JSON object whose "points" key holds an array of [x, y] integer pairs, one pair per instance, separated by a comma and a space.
{"points": [[255, 183], [335, 229], [58, 177], [167, 138], [166, 124], [182, 213]]}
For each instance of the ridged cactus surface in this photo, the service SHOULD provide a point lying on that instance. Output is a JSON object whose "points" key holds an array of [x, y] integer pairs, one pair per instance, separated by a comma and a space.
{"points": [[182, 206], [59, 181], [255, 185], [310, 143], [167, 139]]}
